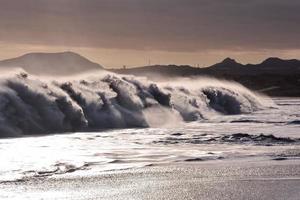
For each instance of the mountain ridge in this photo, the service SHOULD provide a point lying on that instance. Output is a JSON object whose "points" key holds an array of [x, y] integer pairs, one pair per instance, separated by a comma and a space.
{"points": [[273, 76], [228, 65], [60, 63]]}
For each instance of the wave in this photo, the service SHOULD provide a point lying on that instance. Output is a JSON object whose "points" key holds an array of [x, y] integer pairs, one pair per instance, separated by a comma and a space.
{"points": [[294, 122], [35, 105], [236, 138]]}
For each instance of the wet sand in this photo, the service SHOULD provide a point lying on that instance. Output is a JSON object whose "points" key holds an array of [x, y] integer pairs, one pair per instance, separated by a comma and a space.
{"points": [[189, 180]]}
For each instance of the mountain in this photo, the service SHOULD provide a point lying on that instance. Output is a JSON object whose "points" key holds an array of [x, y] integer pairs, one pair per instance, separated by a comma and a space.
{"points": [[62, 63], [227, 67], [277, 65], [227, 64], [273, 76]]}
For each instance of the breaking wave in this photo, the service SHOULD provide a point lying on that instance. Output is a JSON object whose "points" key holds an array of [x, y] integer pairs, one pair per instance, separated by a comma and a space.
{"points": [[32, 105], [236, 138]]}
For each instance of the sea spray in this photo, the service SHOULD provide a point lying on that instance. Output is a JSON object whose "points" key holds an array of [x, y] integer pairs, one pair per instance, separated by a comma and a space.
{"points": [[40, 105]]}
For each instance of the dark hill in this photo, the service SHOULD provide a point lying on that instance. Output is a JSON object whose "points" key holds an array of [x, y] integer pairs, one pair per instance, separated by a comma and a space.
{"points": [[64, 63], [274, 76]]}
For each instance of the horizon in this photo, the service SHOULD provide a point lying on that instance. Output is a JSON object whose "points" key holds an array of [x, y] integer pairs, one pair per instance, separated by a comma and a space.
{"points": [[153, 64], [131, 32]]}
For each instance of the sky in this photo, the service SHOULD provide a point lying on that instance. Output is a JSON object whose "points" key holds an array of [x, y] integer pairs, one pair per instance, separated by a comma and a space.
{"points": [[141, 32]]}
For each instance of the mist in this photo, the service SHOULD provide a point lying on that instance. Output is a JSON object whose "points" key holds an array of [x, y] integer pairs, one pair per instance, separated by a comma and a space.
{"points": [[31, 104]]}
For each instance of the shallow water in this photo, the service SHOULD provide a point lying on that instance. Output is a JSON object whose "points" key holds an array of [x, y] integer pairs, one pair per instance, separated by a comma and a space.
{"points": [[223, 137]]}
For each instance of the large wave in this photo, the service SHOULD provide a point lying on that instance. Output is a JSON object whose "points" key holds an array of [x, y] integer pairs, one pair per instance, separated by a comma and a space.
{"points": [[35, 105]]}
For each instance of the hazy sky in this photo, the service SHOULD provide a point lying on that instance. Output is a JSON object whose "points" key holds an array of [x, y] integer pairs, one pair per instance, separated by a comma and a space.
{"points": [[130, 32]]}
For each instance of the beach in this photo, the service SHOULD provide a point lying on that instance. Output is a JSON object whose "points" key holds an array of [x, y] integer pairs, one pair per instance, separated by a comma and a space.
{"points": [[246, 179]]}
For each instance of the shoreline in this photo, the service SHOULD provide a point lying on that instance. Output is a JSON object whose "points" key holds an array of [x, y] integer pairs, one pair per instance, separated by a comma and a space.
{"points": [[233, 179]]}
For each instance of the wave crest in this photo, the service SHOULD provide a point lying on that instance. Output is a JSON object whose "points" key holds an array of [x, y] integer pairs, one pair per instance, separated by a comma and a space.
{"points": [[30, 105]]}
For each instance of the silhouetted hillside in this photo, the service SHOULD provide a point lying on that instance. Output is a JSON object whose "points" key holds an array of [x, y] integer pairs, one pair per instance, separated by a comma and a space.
{"points": [[274, 76], [64, 63]]}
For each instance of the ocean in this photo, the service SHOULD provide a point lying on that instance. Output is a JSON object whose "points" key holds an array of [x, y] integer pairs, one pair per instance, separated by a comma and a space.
{"points": [[271, 133]]}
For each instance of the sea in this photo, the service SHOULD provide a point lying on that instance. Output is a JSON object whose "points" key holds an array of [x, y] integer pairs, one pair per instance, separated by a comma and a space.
{"points": [[86, 125]]}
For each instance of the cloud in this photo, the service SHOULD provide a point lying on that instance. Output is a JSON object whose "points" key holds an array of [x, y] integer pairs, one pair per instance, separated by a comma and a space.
{"points": [[187, 26]]}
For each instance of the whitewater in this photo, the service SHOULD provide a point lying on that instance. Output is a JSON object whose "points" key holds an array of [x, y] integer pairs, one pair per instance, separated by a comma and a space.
{"points": [[31, 105], [89, 124]]}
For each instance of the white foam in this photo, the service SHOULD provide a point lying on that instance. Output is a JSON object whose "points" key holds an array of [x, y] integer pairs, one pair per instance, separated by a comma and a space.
{"points": [[40, 105]]}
